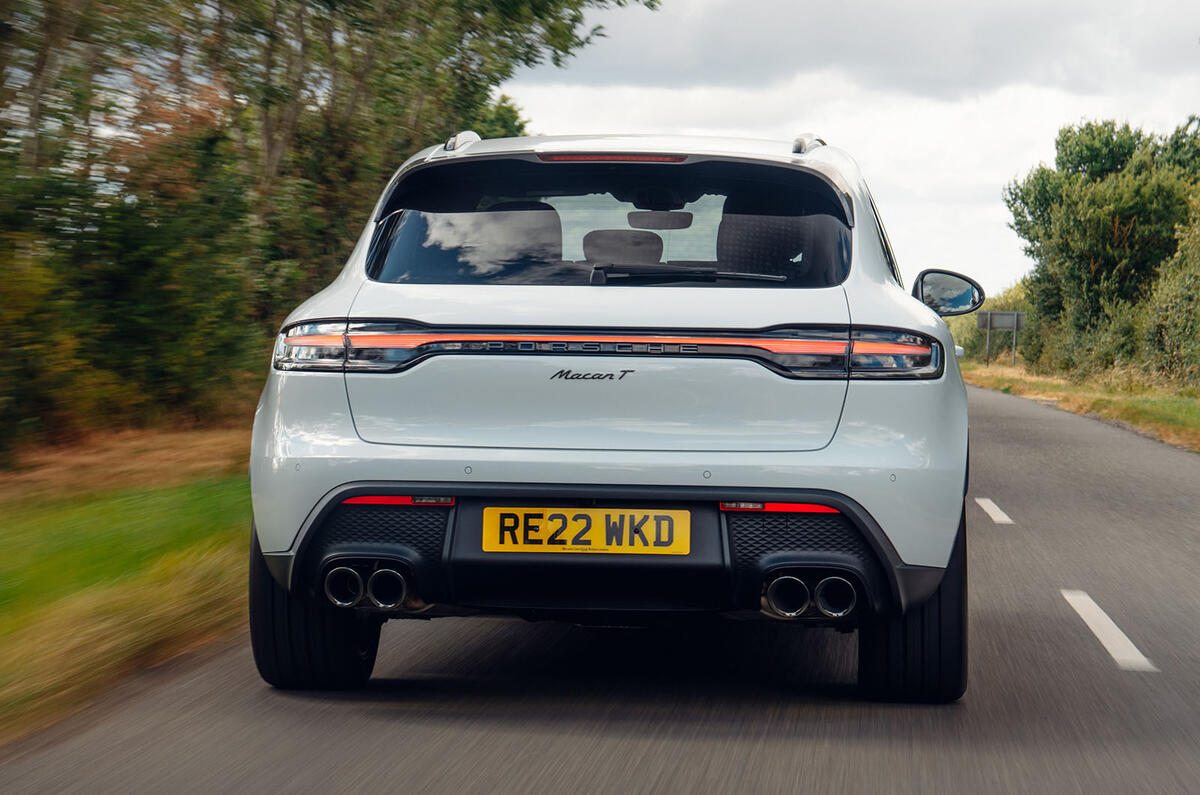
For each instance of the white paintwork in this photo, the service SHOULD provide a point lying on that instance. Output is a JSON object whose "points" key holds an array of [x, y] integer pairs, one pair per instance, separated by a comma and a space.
{"points": [[603, 307], [1115, 642], [993, 510], [899, 448], [659, 404], [665, 404]]}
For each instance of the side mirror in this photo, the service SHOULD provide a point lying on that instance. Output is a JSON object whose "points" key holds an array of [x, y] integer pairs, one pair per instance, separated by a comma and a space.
{"points": [[947, 293]]}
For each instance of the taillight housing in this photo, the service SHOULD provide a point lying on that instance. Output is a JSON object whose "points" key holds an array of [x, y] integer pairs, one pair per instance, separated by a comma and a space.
{"points": [[793, 352], [386, 347], [886, 353], [312, 346]]}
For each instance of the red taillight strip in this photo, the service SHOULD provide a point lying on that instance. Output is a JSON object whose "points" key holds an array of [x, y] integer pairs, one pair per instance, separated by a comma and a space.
{"points": [[315, 341], [828, 347], [819, 347], [384, 499], [611, 158], [798, 507], [890, 349], [780, 507]]}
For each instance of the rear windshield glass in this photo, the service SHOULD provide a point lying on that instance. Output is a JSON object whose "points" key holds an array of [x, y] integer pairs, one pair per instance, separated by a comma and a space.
{"points": [[697, 225]]}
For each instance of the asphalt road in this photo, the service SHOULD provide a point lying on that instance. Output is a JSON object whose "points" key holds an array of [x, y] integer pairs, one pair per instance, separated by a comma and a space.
{"points": [[469, 705]]}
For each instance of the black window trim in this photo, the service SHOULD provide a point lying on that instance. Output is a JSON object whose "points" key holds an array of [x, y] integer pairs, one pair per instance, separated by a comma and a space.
{"points": [[888, 255], [834, 182]]}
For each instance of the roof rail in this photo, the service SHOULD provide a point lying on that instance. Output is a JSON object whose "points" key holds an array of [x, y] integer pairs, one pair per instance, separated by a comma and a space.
{"points": [[806, 142], [461, 139]]}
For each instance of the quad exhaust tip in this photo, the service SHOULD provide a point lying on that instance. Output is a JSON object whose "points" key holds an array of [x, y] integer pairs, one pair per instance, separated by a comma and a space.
{"points": [[787, 596], [343, 586], [835, 597], [387, 589]]}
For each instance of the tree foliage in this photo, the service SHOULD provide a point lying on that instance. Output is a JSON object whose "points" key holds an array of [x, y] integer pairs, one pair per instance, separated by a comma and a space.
{"points": [[1172, 323], [176, 175], [1099, 226]]}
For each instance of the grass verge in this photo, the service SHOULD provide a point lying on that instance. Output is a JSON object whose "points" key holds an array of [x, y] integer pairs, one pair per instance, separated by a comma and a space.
{"points": [[94, 585], [1165, 415]]}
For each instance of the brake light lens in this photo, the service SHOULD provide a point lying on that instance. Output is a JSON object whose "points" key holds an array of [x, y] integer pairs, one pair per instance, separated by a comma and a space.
{"points": [[876, 353], [778, 507], [389, 499], [607, 157]]}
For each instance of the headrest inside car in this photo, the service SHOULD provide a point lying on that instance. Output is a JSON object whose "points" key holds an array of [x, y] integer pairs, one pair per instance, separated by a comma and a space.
{"points": [[622, 246]]}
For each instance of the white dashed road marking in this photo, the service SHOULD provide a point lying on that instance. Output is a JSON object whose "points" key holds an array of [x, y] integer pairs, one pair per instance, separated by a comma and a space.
{"points": [[1116, 642], [993, 510]]}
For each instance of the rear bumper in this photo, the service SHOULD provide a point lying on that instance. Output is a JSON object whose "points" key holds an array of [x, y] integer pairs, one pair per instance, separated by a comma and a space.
{"points": [[899, 454], [732, 555]]}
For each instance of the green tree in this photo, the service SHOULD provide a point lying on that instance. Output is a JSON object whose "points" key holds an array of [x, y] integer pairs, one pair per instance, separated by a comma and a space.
{"points": [[1182, 148], [1093, 150], [1172, 327], [500, 119], [1097, 226], [1108, 236], [173, 176]]}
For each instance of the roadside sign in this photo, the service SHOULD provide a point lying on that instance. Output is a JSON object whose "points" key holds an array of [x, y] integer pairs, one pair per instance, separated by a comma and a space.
{"points": [[1000, 321]]}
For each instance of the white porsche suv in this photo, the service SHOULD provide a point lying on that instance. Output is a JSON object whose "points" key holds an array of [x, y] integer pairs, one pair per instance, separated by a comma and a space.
{"points": [[617, 380]]}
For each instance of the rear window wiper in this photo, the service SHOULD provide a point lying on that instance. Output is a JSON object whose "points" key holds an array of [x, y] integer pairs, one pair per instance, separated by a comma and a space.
{"points": [[603, 272]]}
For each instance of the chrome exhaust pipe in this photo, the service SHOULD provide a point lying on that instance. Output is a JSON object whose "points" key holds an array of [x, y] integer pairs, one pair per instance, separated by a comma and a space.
{"points": [[786, 596], [835, 597], [387, 589], [343, 586]]}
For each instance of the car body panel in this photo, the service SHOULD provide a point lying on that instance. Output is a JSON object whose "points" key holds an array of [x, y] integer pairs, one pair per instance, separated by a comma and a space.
{"points": [[710, 308], [517, 402], [650, 403]]}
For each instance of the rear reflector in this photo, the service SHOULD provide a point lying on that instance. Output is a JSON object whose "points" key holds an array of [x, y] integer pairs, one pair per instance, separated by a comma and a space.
{"points": [[387, 499], [778, 507], [611, 158]]}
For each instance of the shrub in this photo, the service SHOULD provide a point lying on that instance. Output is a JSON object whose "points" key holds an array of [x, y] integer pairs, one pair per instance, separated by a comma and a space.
{"points": [[1171, 332]]}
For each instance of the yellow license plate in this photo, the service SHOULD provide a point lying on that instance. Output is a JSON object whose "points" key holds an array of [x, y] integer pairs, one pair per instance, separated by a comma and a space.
{"points": [[611, 530]]}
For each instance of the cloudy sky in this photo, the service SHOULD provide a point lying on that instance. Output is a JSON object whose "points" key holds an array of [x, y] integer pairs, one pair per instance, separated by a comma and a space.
{"points": [[942, 104]]}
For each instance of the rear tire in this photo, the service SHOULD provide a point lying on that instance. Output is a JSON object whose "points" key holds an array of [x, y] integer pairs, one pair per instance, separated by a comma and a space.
{"points": [[304, 644], [921, 656]]}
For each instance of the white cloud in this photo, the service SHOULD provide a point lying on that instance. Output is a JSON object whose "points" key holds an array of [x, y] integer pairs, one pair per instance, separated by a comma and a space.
{"points": [[923, 47], [937, 152]]}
